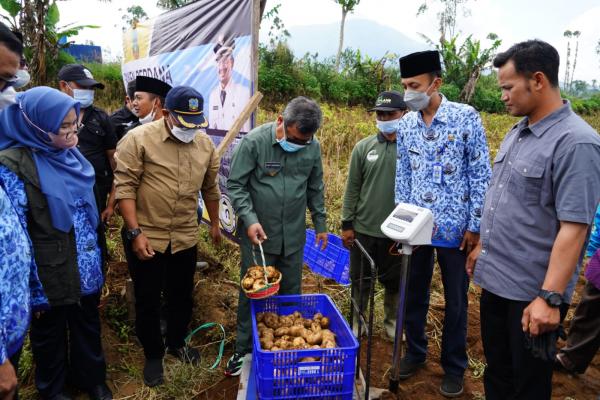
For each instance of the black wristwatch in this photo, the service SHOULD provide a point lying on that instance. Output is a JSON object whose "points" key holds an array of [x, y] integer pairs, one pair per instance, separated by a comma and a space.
{"points": [[554, 299], [133, 233]]}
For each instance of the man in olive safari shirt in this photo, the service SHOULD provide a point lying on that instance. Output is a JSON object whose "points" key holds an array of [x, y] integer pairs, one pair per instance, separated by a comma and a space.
{"points": [[161, 166], [276, 173]]}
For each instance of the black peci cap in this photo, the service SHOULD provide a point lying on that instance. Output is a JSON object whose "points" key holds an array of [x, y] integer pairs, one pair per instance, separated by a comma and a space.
{"points": [[422, 62], [151, 85]]}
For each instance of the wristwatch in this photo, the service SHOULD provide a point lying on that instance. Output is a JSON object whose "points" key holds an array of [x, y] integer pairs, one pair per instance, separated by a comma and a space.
{"points": [[554, 299], [132, 233]]}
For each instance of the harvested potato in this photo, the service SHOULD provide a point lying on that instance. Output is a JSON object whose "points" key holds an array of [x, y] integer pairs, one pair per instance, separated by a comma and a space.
{"points": [[308, 359], [324, 322], [282, 331], [260, 316], [298, 342], [315, 338], [297, 315], [328, 344], [266, 344], [318, 316], [275, 348], [258, 284], [296, 330], [247, 283], [315, 326]]}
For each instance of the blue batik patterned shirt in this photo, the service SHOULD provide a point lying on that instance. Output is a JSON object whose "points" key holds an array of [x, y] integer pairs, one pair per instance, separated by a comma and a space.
{"points": [[89, 257], [20, 288], [444, 167]]}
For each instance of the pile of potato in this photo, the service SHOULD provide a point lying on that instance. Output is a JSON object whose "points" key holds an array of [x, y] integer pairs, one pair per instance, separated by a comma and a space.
{"points": [[255, 277], [293, 332]]}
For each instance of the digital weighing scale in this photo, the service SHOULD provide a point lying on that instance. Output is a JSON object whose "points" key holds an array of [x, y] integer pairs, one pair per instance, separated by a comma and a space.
{"points": [[410, 226]]}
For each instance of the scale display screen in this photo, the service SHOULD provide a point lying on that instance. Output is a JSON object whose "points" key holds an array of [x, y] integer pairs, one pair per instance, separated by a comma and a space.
{"points": [[405, 215], [395, 227]]}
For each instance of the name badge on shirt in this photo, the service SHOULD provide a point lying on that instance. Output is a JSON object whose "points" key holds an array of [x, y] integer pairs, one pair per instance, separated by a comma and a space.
{"points": [[272, 167], [437, 174]]}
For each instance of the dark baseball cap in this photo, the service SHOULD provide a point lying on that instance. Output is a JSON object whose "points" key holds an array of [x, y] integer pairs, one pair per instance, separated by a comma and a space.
{"points": [[390, 100], [79, 74], [187, 105]]}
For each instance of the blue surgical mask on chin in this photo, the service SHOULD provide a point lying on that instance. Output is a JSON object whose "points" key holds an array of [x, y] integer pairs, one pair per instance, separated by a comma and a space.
{"points": [[288, 146], [85, 97], [388, 127]]}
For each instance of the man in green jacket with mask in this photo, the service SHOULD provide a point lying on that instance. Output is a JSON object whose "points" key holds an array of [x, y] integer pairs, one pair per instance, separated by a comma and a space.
{"points": [[276, 172], [369, 199]]}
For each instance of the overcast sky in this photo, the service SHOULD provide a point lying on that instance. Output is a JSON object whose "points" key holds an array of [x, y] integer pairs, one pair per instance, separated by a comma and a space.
{"points": [[511, 20]]}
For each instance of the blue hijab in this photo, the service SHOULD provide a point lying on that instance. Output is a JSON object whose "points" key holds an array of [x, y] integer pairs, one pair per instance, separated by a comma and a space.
{"points": [[65, 175]]}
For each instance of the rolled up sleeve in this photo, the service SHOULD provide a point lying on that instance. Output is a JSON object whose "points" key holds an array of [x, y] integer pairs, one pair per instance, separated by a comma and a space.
{"points": [[576, 183], [130, 167]]}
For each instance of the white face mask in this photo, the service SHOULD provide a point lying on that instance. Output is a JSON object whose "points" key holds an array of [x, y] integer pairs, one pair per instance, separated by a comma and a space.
{"points": [[23, 80], [148, 118], [7, 97], [85, 97], [185, 135], [417, 101], [388, 127]]}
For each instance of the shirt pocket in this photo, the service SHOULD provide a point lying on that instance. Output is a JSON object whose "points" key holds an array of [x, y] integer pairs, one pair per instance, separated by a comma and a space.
{"points": [[498, 164], [526, 180]]}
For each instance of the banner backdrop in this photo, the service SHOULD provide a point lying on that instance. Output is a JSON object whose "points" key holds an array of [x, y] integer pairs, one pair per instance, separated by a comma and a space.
{"points": [[207, 45]]}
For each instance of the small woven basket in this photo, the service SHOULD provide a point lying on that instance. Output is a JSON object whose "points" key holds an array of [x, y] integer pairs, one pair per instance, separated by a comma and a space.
{"points": [[270, 289]]}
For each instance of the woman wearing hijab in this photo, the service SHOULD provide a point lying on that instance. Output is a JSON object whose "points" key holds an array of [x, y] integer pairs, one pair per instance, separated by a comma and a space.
{"points": [[49, 181]]}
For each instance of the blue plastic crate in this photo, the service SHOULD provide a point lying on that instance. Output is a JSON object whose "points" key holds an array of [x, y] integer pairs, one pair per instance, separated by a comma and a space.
{"points": [[281, 375], [333, 262]]}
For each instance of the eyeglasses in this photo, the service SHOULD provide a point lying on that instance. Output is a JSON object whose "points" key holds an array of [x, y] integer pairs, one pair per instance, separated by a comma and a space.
{"points": [[65, 127], [295, 140]]}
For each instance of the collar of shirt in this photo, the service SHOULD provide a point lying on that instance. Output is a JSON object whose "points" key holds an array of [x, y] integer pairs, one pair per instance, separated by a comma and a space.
{"points": [[440, 114], [540, 127], [382, 139], [165, 133]]}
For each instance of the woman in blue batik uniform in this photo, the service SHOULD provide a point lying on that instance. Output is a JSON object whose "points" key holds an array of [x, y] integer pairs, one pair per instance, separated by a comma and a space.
{"points": [[20, 291], [51, 184]]}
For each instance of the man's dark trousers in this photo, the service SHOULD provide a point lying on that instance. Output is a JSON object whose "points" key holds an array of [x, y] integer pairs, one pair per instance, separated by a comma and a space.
{"points": [[174, 273], [76, 327], [512, 372], [456, 283]]}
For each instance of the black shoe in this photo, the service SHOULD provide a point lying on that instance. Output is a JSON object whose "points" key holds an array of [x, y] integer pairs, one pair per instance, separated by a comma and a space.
{"points": [[186, 354], [100, 392], [235, 364], [452, 386], [153, 372], [408, 369]]}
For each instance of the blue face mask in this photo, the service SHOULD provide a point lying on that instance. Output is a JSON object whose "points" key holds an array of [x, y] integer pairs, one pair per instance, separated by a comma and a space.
{"points": [[388, 127], [85, 97], [290, 147]]}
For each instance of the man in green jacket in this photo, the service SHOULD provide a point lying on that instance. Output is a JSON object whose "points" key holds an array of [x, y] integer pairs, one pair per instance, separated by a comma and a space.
{"points": [[276, 172], [369, 199]]}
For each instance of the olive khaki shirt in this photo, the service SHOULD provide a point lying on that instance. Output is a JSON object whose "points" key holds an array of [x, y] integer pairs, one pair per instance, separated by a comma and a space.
{"points": [[274, 187], [163, 176]]}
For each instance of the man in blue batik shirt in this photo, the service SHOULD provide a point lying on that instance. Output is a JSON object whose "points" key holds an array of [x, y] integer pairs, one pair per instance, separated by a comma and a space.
{"points": [[443, 165]]}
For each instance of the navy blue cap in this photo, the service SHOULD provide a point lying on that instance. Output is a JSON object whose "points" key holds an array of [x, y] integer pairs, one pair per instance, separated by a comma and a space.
{"points": [[187, 105]]}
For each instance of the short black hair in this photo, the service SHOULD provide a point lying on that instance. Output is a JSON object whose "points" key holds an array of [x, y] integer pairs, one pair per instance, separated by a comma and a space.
{"points": [[160, 98], [435, 74], [530, 57], [10, 41], [305, 113]]}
